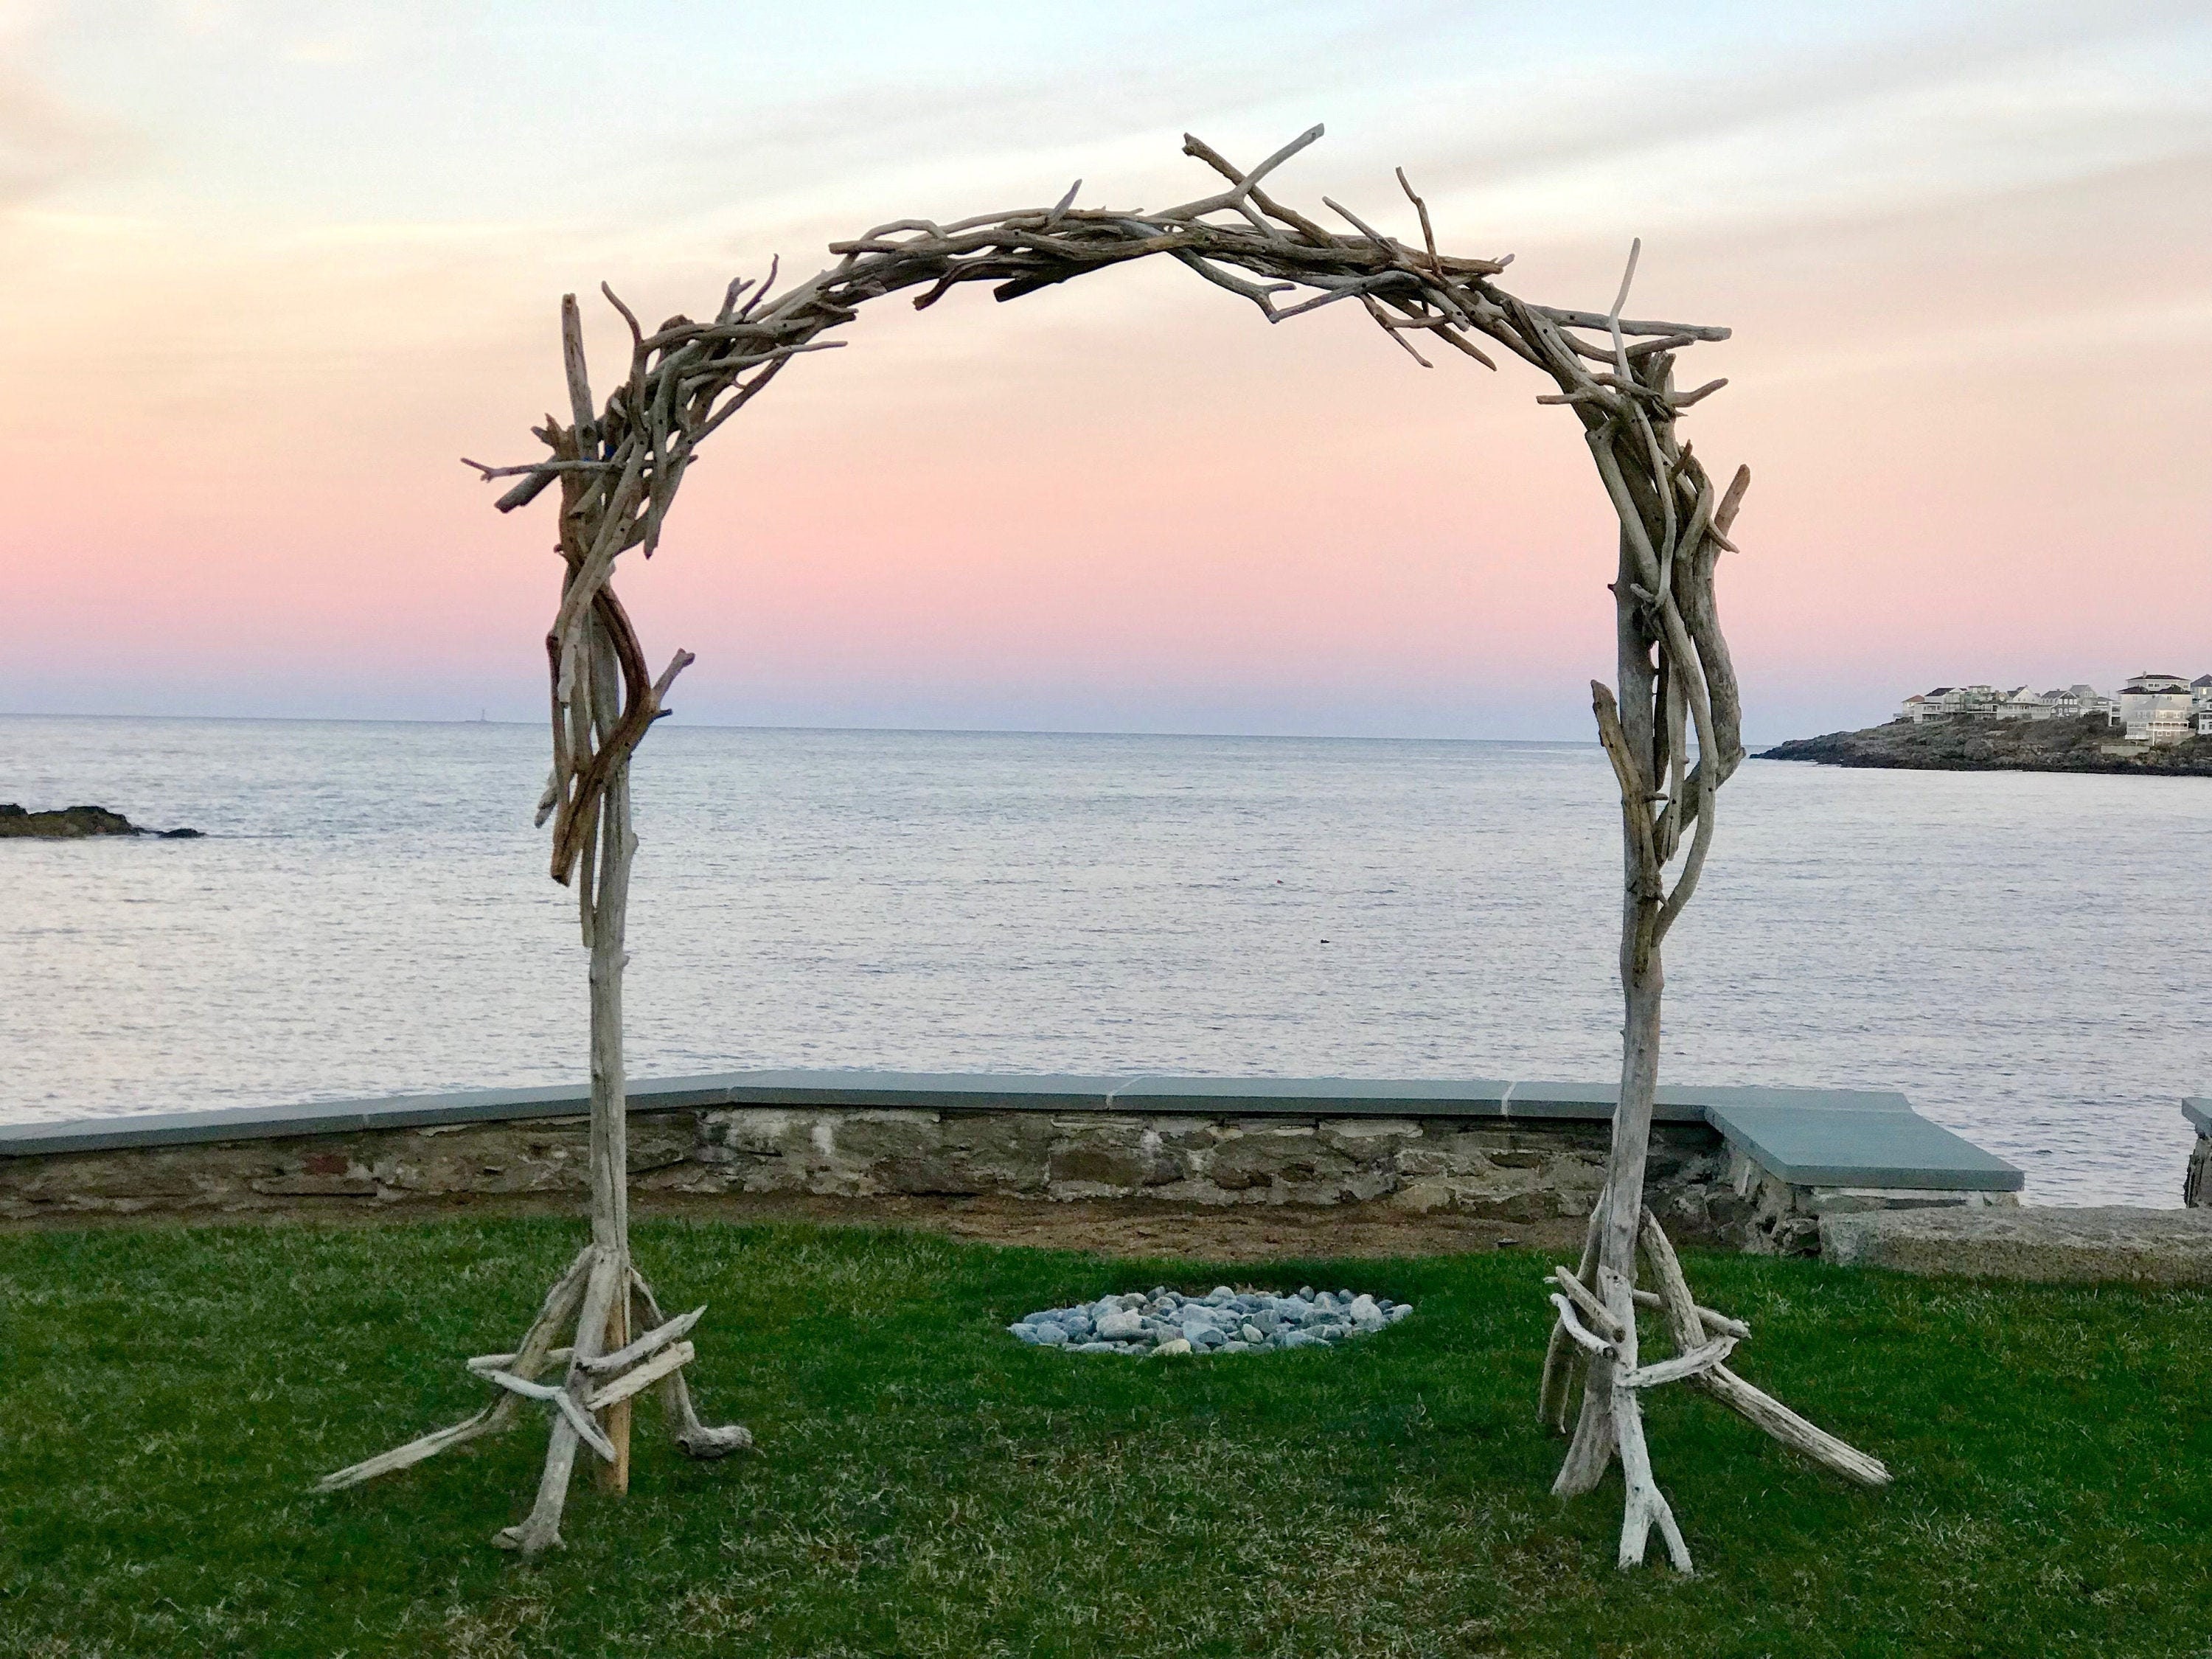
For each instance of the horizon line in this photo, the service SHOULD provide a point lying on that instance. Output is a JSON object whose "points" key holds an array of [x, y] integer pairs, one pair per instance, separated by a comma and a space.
{"points": [[879, 731]]}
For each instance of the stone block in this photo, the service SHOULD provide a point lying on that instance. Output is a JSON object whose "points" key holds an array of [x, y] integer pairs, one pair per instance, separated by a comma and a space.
{"points": [[1368, 1139], [85, 1179], [1457, 1151], [862, 1139], [1425, 1195], [1518, 1158], [313, 1186], [924, 1153], [1109, 1158], [1100, 1171], [2163, 1247], [1505, 1195], [1573, 1170], [1290, 1164], [757, 1131]]}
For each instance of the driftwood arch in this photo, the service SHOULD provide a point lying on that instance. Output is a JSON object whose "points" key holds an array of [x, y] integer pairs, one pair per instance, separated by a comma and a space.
{"points": [[618, 467]]}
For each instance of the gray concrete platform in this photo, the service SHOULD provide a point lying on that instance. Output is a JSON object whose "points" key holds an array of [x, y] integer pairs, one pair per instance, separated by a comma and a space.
{"points": [[1892, 1150], [2158, 1247]]}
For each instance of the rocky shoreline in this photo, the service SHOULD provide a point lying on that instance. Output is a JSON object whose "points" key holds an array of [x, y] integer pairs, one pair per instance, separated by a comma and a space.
{"points": [[1978, 746], [77, 824]]}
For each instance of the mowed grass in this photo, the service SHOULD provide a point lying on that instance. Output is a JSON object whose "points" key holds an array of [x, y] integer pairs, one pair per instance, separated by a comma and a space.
{"points": [[925, 1485]]}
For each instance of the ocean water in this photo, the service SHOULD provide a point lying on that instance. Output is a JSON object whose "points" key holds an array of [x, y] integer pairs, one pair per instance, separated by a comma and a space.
{"points": [[2027, 956]]}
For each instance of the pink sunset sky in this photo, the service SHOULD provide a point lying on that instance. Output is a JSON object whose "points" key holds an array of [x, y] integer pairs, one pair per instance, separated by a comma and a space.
{"points": [[271, 270]]}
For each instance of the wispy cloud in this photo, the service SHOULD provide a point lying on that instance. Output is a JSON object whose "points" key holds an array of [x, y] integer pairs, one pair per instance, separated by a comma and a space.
{"points": [[1631, 108], [44, 145]]}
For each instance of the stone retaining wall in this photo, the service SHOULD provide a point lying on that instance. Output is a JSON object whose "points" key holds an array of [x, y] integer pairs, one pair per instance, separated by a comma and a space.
{"points": [[1520, 1171]]}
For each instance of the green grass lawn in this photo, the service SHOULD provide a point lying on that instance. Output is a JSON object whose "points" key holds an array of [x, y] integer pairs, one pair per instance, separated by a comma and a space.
{"points": [[926, 1486]]}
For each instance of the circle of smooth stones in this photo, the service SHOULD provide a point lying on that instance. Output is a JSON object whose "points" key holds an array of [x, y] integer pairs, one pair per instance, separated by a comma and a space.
{"points": [[1163, 1321]]}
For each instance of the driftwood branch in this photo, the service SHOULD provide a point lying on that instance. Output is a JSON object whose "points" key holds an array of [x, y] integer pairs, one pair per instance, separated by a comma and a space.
{"points": [[1688, 1321]]}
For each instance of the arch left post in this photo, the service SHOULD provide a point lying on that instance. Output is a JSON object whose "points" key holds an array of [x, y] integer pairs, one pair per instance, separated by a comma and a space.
{"points": [[600, 1337]]}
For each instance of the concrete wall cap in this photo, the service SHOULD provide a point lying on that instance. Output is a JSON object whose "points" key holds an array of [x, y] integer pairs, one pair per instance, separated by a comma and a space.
{"points": [[1881, 1149]]}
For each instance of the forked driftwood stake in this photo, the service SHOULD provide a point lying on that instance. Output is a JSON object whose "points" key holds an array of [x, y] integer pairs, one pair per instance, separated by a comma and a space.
{"points": [[619, 468]]}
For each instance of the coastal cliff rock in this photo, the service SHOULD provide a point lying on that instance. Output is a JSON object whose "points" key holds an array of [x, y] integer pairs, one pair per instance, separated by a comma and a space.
{"points": [[1975, 745], [76, 823]]}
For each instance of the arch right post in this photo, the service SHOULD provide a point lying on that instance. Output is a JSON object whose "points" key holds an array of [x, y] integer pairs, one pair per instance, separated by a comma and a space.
{"points": [[1677, 688]]}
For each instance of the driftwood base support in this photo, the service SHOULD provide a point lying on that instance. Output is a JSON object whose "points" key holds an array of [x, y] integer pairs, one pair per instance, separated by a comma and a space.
{"points": [[600, 1292], [1596, 1334]]}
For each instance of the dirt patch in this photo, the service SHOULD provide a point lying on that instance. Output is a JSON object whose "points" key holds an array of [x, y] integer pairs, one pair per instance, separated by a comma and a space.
{"points": [[1241, 1234], [1119, 1229]]}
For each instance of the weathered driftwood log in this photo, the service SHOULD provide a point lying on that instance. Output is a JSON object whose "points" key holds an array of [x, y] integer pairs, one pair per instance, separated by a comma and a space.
{"points": [[619, 463]]}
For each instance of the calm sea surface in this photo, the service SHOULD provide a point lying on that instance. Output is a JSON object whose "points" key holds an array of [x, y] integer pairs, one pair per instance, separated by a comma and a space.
{"points": [[2027, 956]]}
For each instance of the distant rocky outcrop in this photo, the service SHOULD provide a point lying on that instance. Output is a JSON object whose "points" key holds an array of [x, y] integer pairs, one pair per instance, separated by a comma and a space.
{"points": [[76, 823], [2089, 744]]}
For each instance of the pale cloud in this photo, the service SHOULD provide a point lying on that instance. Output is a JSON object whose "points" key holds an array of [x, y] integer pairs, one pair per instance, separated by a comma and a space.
{"points": [[318, 33], [44, 145], [345, 48], [1899, 124], [204, 17], [1580, 111]]}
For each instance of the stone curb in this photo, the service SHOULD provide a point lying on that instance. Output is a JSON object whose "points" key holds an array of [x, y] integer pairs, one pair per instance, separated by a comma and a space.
{"points": [[2158, 1246]]}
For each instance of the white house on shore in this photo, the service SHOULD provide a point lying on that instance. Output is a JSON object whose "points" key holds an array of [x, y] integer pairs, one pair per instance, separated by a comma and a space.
{"points": [[2156, 708]]}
